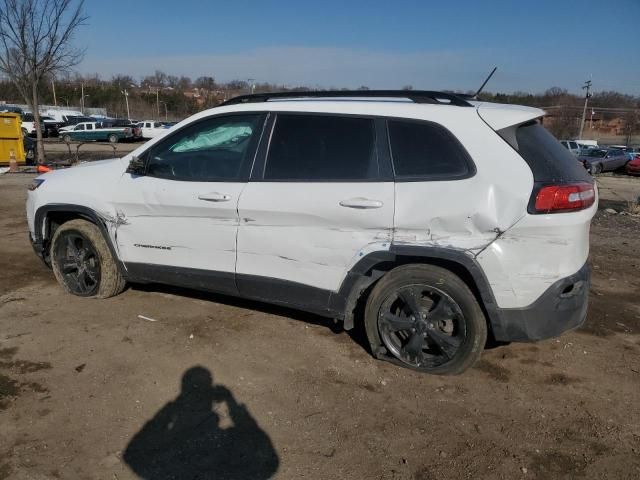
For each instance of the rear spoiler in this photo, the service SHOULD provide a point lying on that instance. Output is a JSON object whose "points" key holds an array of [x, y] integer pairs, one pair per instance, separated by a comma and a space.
{"points": [[499, 116]]}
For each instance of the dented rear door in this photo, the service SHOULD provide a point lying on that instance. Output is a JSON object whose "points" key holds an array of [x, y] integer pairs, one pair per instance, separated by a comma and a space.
{"points": [[318, 204]]}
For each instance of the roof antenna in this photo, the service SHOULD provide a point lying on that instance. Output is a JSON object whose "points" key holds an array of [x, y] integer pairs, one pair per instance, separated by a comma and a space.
{"points": [[475, 95]]}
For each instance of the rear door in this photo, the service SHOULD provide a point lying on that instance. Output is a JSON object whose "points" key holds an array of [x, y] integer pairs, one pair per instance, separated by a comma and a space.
{"points": [[321, 198]]}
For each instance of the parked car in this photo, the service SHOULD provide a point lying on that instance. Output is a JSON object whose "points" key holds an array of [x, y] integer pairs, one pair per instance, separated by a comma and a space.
{"points": [[633, 167], [631, 152], [29, 126], [151, 129], [572, 146], [29, 150], [430, 218], [597, 160], [136, 131], [93, 131]]}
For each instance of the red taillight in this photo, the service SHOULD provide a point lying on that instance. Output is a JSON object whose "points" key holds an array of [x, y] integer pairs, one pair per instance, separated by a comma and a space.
{"points": [[565, 198]]}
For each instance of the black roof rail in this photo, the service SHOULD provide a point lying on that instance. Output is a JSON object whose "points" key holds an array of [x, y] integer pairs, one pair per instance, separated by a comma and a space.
{"points": [[417, 96]]}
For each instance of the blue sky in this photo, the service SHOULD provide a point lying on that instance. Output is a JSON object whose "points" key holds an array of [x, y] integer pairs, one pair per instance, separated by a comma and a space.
{"points": [[428, 44]]}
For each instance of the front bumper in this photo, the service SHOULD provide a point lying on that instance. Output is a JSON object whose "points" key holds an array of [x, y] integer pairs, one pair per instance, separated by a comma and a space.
{"points": [[562, 307], [39, 250]]}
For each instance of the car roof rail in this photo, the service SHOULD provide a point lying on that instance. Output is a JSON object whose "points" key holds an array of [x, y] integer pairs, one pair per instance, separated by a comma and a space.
{"points": [[416, 96]]}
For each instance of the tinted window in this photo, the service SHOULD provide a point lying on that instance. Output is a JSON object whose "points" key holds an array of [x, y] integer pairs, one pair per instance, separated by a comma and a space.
{"points": [[426, 150], [322, 147], [548, 160], [595, 153], [573, 145], [216, 149]]}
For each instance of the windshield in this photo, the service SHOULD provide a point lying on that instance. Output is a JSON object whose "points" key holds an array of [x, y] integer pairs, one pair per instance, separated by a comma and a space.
{"points": [[594, 153]]}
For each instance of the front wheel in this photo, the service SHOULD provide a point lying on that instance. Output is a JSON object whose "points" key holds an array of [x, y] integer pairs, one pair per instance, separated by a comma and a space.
{"points": [[67, 138], [596, 168], [113, 138], [82, 262], [426, 318]]}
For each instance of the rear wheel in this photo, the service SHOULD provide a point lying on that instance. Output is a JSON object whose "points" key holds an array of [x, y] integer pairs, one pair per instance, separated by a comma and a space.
{"points": [[426, 318], [82, 262], [113, 138], [596, 168]]}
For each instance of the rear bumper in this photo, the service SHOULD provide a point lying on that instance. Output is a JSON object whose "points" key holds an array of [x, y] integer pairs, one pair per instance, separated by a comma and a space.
{"points": [[562, 307]]}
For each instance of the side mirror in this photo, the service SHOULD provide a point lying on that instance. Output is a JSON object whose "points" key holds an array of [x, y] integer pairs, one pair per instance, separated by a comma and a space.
{"points": [[137, 166]]}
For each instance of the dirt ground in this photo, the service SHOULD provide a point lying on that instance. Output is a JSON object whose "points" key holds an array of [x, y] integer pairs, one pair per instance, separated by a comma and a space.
{"points": [[236, 389]]}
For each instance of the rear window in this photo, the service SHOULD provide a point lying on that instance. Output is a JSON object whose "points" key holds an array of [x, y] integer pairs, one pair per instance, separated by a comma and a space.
{"points": [[426, 151], [548, 159], [573, 145]]}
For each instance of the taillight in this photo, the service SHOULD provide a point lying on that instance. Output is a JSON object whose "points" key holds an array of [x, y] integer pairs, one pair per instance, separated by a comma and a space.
{"points": [[567, 197]]}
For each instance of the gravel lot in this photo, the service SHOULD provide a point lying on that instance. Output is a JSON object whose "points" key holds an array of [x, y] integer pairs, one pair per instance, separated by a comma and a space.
{"points": [[236, 389]]}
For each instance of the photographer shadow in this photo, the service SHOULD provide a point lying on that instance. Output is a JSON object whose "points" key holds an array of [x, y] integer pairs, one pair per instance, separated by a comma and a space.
{"points": [[186, 440]]}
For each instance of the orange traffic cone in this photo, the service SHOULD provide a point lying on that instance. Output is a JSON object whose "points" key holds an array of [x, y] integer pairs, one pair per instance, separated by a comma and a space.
{"points": [[43, 169], [13, 164]]}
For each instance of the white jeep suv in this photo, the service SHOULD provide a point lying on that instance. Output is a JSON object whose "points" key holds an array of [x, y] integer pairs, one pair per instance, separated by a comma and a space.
{"points": [[444, 219]]}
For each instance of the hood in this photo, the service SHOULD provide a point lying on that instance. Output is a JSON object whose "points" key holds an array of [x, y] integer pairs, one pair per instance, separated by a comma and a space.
{"points": [[99, 170]]}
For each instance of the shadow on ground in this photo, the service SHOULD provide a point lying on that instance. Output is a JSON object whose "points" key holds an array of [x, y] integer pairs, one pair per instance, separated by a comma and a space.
{"points": [[203, 433]]}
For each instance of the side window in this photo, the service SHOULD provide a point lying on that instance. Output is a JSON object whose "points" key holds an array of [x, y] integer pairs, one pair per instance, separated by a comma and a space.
{"points": [[89, 127], [573, 145], [322, 148], [426, 151], [216, 149], [79, 127]]}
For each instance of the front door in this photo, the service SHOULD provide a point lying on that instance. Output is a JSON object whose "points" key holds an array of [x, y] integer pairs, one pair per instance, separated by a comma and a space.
{"points": [[179, 220], [316, 204]]}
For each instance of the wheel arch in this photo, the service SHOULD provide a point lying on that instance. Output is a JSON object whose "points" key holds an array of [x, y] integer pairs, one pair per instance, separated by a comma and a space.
{"points": [[49, 217], [363, 276]]}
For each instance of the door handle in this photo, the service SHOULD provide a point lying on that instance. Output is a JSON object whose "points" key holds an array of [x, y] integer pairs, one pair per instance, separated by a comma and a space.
{"points": [[214, 197], [361, 203]]}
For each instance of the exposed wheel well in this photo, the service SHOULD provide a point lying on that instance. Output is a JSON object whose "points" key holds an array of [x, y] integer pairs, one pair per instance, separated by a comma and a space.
{"points": [[376, 272], [52, 220]]}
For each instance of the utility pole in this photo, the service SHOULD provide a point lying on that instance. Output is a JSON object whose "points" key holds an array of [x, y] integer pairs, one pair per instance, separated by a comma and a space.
{"points": [[158, 103], [53, 87], [587, 87], [82, 98], [126, 99]]}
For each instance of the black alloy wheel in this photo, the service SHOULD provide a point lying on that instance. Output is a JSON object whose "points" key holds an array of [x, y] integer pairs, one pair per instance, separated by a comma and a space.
{"points": [[421, 326], [78, 263]]}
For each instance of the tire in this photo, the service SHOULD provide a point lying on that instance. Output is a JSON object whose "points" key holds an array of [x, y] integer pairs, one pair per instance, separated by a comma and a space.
{"points": [[596, 168], [113, 138], [30, 157], [448, 331], [82, 262], [67, 138]]}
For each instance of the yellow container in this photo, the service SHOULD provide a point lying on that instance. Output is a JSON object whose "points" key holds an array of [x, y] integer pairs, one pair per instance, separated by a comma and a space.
{"points": [[11, 142]]}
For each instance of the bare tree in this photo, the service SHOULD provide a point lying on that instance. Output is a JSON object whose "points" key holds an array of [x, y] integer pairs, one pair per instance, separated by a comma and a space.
{"points": [[35, 43], [631, 125], [565, 123]]}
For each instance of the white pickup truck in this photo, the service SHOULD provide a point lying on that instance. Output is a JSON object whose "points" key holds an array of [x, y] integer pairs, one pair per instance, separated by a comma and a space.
{"points": [[151, 128]]}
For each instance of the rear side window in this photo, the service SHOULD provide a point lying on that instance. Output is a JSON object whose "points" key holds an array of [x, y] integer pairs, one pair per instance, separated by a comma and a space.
{"points": [[427, 151], [573, 145], [548, 159], [322, 148]]}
